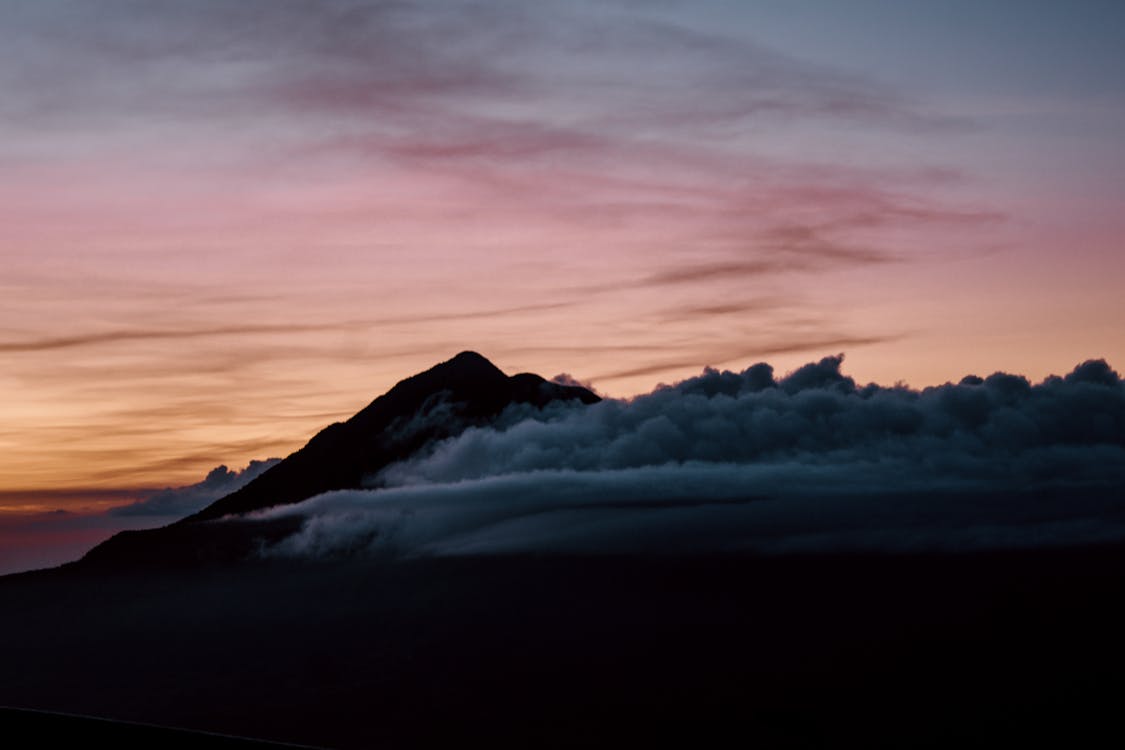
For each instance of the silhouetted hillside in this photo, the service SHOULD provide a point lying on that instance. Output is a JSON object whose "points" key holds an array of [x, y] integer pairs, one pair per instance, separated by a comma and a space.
{"points": [[438, 403]]}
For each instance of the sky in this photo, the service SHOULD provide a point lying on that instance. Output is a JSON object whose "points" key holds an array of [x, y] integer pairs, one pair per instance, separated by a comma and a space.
{"points": [[226, 225]]}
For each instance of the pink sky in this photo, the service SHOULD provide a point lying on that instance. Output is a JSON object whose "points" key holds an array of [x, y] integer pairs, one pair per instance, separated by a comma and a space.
{"points": [[225, 226]]}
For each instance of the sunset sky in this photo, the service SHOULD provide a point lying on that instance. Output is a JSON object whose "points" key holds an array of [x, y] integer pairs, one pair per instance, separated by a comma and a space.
{"points": [[224, 225]]}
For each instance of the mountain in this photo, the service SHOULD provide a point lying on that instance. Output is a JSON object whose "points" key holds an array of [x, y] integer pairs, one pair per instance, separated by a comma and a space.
{"points": [[798, 646], [438, 403], [441, 402]]}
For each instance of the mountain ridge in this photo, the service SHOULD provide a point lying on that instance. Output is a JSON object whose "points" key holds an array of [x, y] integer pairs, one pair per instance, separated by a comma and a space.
{"points": [[464, 391]]}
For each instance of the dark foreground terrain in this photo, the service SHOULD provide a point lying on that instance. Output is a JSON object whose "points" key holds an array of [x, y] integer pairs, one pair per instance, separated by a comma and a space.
{"points": [[796, 651]]}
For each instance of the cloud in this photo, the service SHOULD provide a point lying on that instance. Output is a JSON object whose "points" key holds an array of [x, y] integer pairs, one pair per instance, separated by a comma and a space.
{"points": [[49, 343], [746, 461], [565, 378], [693, 66], [713, 309], [111, 337], [765, 347], [692, 509], [1002, 430], [501, 312], [640, 131], [183, 501], [756, 267], [405, 69]]}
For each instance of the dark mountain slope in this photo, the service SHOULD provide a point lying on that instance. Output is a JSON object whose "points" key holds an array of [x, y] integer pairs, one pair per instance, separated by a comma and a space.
{"points": [[438, 403]]}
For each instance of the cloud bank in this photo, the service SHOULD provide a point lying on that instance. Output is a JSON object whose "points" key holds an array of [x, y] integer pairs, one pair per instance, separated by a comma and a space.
{"points": [[183, 501], [747, 462], [995, 432]]}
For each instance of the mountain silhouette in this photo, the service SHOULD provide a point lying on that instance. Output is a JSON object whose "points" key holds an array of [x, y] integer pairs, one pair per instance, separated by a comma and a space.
{"points": [[465, 391], [440, 402], [800, 646]]}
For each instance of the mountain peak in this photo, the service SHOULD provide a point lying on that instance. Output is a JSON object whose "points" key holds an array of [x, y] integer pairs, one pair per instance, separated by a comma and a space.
{"points": [[470, 357], [465, 391], [473, 391], [466, 364]]}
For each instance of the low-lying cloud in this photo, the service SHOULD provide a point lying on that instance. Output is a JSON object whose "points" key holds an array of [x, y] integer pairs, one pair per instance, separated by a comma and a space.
{"points": [[747, 462], [183, 501]]}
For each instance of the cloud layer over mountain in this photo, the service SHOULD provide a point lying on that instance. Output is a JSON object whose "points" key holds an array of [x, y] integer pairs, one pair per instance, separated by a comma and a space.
{"points": [[998, 431], [748, 461]]}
